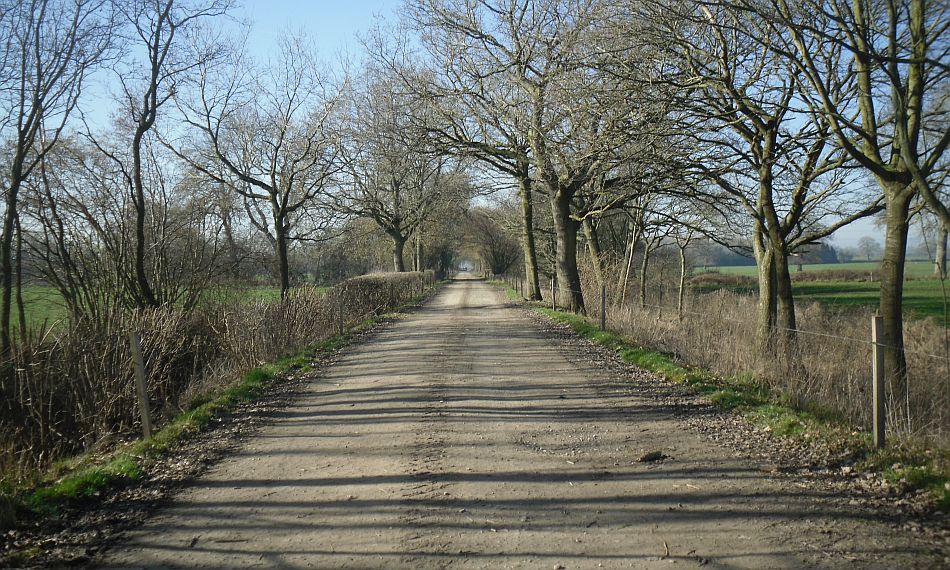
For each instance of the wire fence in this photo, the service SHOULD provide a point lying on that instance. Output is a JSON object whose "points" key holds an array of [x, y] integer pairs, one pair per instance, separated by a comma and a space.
{"points": [[827, 368]]}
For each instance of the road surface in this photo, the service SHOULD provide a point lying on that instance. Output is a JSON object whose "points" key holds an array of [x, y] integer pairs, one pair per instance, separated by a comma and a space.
{"points": [[465, 436]]}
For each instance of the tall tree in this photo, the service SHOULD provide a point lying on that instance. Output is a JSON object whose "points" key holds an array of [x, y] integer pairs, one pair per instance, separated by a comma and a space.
{"points": [[271, 134], [878, 72], [393, 172], [47, 50], [481, 114], [754, 136], [579, 118], [160, 58]]}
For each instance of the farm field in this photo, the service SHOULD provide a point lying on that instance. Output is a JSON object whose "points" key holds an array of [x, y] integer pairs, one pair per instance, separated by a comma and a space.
{"points": [[923, 295], [44, 305], [913, 270]]}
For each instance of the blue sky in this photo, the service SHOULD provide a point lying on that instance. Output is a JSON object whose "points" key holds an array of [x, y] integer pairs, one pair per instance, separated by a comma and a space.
{"points": [[332, 24]]}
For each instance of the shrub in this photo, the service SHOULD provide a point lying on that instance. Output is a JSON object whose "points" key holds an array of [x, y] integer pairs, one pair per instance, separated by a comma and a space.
{"points": [[71, 388], [827, 369]]}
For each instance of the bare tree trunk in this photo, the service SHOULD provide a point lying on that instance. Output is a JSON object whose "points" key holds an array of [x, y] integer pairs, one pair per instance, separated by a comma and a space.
{"points": [[6, 267], [644, 266], [569, 280], [892, 290], [533, 291], [228, 228], [768, 305], [399, 245], [940, 258], [682, 288], [783, 291], [418, 253], [21, 310], [145, 294], [628, 263], [593, 247], [283, 263]]}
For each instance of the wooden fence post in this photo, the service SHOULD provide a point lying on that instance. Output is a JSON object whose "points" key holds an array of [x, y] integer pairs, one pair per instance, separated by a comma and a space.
{"points": [[341, 317], [135, 343], [554, 294], [878, 379], [603, 307]]}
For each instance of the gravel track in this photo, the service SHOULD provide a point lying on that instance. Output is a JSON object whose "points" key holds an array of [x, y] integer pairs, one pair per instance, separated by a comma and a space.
{"points": [[467, 436]]}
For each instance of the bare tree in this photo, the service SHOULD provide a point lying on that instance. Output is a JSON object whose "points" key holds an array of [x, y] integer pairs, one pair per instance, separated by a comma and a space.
{"points": [[48, 50], [496, 249], [481, 114], [161, 55], [878, 73], [757, 140], [393, 173], [84, 236], [581, 119], [869, 248], [270, 134]]}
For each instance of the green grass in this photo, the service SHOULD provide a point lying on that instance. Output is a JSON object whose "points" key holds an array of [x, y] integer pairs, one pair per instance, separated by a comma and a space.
{"points": [[252, 294], [44, 305], [903, 465], [80, 478], [913, 269], [923, 296]]}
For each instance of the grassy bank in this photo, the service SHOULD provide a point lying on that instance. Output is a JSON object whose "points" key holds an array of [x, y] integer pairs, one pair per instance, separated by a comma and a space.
{"points": [[86, 476], [42, 491], [903, 464]]}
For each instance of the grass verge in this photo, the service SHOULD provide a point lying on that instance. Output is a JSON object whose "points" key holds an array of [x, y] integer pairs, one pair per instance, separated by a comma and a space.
{"points": [[85, 477], [906, 466]]}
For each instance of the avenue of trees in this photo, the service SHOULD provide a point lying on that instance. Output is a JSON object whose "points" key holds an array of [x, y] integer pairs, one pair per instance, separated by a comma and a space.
{"points": [[764, 123], [148, 156]]}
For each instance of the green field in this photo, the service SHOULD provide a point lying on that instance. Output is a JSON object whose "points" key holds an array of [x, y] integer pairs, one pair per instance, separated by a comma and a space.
{"points": [[44, 306], [913, 270], [923, 295]]}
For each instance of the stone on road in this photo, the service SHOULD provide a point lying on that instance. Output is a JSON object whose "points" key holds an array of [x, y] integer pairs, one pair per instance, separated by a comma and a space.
{"points": [[464, 436]]}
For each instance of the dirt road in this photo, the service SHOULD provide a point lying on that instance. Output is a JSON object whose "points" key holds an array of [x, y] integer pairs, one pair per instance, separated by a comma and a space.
{"points": [[464, 436]]}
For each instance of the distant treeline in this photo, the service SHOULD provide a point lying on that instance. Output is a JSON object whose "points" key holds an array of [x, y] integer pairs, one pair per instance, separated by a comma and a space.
{"points": [[713, 254]]}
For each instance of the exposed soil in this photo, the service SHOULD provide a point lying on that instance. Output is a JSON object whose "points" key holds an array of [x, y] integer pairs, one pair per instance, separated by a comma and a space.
{"points": [[473, 435]]}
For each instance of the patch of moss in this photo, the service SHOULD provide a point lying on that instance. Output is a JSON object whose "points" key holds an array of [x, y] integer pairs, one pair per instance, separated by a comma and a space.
{"points": [[511, 292], [912, 468]]}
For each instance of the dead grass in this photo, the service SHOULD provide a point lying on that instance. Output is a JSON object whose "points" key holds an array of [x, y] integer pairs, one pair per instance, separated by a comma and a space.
{"points": [[71, 389], [825, 370]]}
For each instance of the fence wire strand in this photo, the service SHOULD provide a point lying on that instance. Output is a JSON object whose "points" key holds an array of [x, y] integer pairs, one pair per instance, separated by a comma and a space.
{"points": [[782, 329]]}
